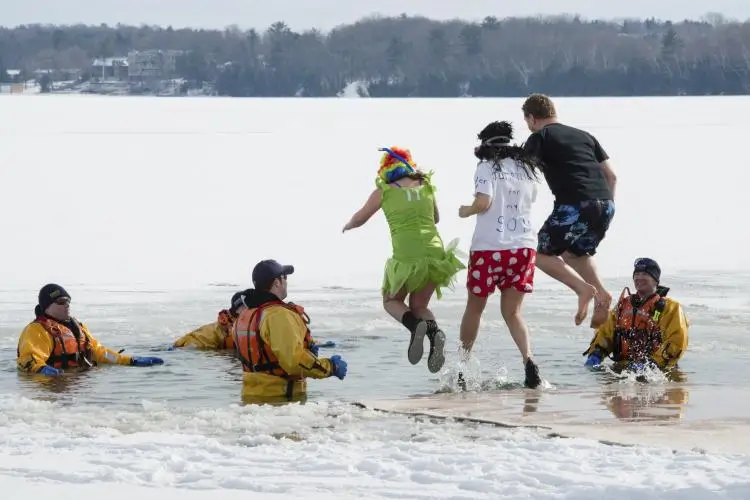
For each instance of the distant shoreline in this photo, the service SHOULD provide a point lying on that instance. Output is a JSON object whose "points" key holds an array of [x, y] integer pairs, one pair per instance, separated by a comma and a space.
{"points": [[402, 56]]}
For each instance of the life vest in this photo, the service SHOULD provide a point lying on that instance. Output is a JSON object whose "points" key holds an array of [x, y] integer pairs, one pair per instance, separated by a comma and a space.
{"points": [[226, 320], [637, 334], [72, 349], [254, 354]]}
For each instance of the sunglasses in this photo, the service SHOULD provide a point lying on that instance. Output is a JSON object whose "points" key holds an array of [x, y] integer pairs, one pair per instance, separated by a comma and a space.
{"points": [[62, 302]]}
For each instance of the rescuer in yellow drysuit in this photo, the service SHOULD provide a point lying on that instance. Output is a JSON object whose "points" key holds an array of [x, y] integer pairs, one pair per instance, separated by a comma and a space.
{"points": [[216, 335], [644, 329], [273, 341], [55, 342]]}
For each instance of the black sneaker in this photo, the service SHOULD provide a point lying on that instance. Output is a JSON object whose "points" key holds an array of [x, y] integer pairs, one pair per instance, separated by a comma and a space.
{"points": [[416, 343], [436, 359], [532, 375]]}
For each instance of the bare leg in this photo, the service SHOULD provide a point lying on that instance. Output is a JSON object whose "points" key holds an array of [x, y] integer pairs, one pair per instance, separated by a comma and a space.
{"points": [[586, 267], [510, 307], [394, 304], [419, 302], [556, 268], [470, 321]]}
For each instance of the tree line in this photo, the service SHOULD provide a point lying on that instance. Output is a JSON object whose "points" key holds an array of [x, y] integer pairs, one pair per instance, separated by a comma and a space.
{"points": [[409, 56]]}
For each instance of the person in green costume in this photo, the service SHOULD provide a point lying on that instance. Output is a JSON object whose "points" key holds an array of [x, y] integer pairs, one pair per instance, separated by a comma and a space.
{"points": [[420, 265]]}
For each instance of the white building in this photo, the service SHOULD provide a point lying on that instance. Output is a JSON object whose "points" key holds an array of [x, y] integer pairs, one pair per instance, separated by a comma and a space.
{"points": [[110, 68]]}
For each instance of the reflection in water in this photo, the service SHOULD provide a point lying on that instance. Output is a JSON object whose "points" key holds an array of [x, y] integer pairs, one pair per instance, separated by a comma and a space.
{"points": [[472, 382], [531, 402], [55, 389], [652, 401], [676, 375], [646, 406]]}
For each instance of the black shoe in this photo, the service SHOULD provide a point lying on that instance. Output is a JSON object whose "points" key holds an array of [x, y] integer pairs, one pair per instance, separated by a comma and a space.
{"points": [[461, 383], [436, 359], [532, 375], [416, 343], [418, 329]]}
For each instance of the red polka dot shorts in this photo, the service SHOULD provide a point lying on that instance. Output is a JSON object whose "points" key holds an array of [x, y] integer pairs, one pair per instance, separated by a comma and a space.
{"points": [[501, 269]]}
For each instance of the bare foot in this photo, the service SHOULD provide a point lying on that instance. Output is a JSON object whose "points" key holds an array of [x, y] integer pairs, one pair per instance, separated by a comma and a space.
{"points": [[601, 309], [584, 297]]}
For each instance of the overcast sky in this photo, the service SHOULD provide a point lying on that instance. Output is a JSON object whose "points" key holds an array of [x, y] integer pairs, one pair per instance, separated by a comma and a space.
{"points": [[325, 14]]}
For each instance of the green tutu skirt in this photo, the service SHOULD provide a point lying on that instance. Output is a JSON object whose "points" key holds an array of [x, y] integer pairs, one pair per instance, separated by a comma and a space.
{"points": [[416, 274]]}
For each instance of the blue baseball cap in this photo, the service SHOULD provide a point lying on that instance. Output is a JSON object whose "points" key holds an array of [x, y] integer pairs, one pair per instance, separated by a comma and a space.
{"points": [[266, 271]]}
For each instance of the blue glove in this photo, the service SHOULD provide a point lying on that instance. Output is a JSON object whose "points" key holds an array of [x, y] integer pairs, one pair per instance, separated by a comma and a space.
{"points": [[50, 371], [593, 360], [639, 366], [171, 348], [339, 367], [145, 361]]}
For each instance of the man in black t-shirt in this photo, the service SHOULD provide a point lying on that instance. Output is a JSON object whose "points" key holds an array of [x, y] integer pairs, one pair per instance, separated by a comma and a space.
{"points": [[578, 173]]}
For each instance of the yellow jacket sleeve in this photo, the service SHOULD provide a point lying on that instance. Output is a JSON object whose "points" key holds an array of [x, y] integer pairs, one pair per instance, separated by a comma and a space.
{"points": [[103, 354], [34, 348], [604, 337], [284, 332], [674, 327], [208, 336]]}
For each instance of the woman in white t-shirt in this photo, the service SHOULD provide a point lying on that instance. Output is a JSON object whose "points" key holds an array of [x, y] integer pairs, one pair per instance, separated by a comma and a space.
{"points": [[503, 249]]}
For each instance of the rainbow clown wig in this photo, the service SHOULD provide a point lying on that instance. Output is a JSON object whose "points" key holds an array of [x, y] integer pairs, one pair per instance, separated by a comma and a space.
{"points": [[395, 163]]}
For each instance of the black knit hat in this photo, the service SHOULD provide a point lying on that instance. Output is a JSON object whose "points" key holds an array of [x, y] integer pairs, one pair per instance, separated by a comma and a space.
{"points": [[238, 300], [648, 266], [49, 294]]}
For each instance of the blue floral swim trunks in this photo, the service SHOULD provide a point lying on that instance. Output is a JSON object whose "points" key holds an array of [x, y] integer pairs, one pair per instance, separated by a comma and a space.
{"points": [[578, 229]]}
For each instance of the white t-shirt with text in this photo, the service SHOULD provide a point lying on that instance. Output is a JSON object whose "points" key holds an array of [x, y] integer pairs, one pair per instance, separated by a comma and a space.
{"points": [[507, 223]]}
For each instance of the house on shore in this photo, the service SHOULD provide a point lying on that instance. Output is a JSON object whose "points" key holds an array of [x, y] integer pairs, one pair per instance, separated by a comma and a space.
{"points": [[110, 69]]}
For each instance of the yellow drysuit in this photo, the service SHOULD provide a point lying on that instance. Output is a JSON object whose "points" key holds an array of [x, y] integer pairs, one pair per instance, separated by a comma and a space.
{"points": [[216, 335], [660, 318], [281, 357], [37, 347]]}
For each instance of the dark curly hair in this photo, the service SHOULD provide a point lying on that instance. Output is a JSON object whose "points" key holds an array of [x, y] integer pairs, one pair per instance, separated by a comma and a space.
{"points": [[496, 147]]}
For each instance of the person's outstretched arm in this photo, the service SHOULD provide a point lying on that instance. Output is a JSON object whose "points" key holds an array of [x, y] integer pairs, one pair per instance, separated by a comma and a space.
{"points": [[371, 206]]}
